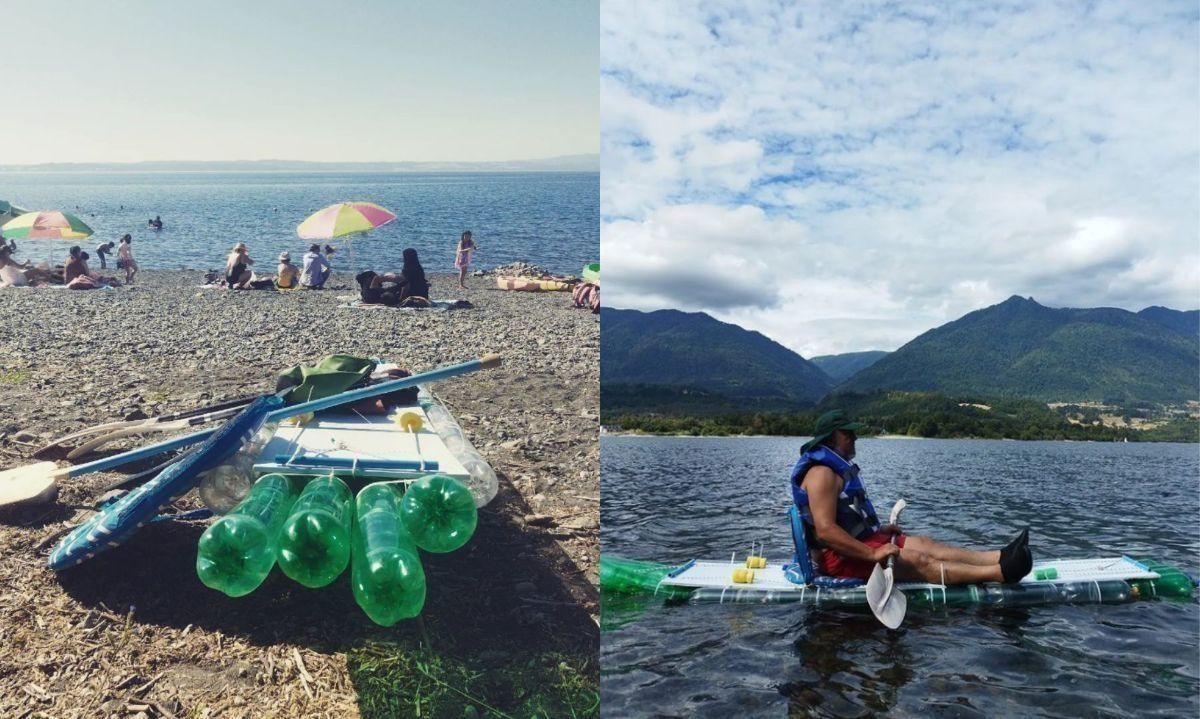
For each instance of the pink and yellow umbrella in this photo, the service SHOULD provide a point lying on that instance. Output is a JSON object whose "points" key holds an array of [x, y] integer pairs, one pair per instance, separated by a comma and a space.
{"points": [[344, 218], [47, 225]]}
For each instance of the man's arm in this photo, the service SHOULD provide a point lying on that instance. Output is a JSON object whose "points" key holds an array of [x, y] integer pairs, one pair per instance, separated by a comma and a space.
{"points": [[822, 487]]}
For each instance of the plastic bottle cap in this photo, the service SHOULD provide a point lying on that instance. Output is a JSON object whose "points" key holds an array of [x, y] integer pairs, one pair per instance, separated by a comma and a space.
{"points": [[409, 421], [743, 576]]}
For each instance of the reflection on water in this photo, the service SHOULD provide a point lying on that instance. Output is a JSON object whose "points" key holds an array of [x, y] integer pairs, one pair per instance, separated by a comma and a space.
{"points": [[672, 499]]}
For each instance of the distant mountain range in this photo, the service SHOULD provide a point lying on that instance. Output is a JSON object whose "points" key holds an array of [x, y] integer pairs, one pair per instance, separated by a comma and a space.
{"points": [[1020, 348], [689, 363], [844, 366], [691, 356], [564, 163]]}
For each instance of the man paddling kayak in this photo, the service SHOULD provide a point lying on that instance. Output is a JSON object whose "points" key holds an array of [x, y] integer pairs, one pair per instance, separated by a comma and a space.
{"points": [[841, 525]]}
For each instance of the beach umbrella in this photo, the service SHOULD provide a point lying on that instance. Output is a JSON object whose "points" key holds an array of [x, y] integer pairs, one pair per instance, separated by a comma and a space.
{"points": [[47, 225], [344, 218]]}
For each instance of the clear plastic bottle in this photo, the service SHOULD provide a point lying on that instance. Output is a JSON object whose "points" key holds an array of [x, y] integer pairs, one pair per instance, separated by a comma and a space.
{"points": [[482, 483], [237, 552], [385, 573], [442, 422], [439, 513], [314, 545], [222, 488]]}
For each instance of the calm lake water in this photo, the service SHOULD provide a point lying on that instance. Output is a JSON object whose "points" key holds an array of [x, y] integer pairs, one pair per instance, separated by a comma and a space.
{"points": [[673, 499], [551, 219]]}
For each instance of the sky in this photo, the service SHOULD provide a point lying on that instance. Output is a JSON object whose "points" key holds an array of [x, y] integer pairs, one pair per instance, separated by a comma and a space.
{"points": [[845, 176], [454, 80]]}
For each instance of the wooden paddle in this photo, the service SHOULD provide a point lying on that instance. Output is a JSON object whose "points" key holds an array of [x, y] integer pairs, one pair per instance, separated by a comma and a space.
{"points": [[157, 424], [888, 604], [148, 424], [37, 482]]}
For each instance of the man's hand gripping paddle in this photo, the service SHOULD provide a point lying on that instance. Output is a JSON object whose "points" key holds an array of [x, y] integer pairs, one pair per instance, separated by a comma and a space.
{"points": [[887, 603]]}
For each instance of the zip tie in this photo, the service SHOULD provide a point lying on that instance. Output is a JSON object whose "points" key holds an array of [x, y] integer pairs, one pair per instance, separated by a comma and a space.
{"points": [[295, 454]]}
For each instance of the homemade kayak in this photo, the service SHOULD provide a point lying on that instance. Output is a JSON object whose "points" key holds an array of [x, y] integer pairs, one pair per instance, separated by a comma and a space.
{"points": [[591, 273], [754, 580], [401, 447], [391, 448], [531, 284]]}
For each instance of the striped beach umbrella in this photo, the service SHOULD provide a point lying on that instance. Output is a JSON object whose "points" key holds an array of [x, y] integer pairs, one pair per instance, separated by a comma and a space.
{"points": [[344, 218], [47, 225]]}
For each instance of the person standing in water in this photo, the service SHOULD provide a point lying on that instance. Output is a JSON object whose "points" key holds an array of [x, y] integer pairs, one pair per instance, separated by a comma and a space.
{"points": [[462, 257], [103, 251], [125, 259]]}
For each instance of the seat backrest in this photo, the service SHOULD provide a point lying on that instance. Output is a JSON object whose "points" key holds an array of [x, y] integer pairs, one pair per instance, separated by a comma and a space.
{"points": [[802, 559]]}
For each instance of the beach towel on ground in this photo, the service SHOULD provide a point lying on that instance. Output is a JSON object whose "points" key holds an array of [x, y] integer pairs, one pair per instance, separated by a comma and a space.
{"points": [[436, 305]]}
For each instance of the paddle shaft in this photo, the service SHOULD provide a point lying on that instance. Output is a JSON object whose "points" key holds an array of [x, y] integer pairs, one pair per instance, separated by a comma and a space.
{"points": [[151, 421], [160, 425], [316, 405]]}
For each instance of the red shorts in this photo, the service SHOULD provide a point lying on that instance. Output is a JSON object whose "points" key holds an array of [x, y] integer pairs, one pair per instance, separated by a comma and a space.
{"points": [[835, 565]]}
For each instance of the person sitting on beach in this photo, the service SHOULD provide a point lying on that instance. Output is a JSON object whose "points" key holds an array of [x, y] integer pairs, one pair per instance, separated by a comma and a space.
{"points": [[409, 286], [412, 277], [462, 257], [840, 524], [102, 251], [75, 265], [286, 274], [82, 278], [316, 268], [11, 273], [125, 259], [237, 267]]}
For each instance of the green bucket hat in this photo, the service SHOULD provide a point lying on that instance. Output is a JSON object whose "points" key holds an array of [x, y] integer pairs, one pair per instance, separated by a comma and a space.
{"points": [[332, 375], [827, 423]]}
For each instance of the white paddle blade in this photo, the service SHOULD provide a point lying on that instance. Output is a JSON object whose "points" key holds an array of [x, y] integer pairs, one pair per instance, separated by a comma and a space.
{"points": [[879, 586], [891, 614], [897, 508], [31, 484]]}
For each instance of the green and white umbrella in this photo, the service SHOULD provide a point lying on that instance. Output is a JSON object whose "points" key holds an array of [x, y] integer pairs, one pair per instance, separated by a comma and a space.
{"points": [[47, 225]]}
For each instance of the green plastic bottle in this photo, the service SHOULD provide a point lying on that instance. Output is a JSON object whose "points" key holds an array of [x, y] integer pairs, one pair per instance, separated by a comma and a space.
{"points": [[236, 553], [385, 574], [439, 512], [314, 546]]}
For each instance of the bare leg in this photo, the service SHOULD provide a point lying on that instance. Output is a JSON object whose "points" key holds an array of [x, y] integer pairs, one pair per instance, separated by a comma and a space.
{"points": [[947, 553], [917, 566], [462, 277]]}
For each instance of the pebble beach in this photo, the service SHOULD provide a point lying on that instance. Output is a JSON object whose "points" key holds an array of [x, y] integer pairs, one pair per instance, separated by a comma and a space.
{"points": [[136, 635]]}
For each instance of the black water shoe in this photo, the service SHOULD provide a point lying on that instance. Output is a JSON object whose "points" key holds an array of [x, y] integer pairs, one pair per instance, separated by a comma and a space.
{"points": [[1021, 540], [1016, 563]]}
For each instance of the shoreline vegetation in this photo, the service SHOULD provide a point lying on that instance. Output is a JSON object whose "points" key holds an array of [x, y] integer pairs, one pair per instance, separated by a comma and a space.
{"points": [[928, 416]]}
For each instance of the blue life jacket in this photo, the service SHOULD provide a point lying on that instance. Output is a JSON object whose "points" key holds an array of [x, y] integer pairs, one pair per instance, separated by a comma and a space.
{"points": [[855, 513]]}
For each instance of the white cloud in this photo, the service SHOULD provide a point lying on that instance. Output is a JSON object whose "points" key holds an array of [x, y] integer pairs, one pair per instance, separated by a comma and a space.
{"points": [[931, 159]]}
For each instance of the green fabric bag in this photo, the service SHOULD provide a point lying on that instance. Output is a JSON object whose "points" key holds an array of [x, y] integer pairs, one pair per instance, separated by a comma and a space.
{"points": [[332, 375]]}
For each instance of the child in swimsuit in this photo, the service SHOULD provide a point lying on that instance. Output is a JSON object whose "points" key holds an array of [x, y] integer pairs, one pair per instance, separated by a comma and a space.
{"points": [[462, 257]]}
